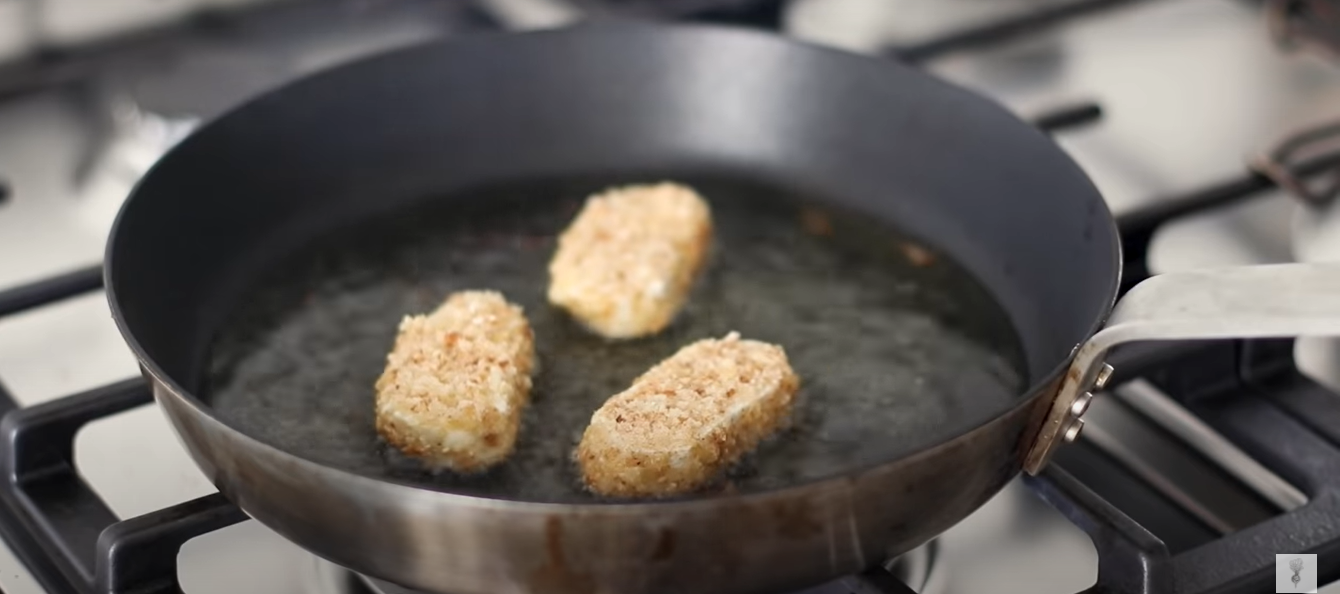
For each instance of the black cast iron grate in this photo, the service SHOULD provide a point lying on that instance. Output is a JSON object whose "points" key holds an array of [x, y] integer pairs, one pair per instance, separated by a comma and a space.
{"points": [[73, 544]]}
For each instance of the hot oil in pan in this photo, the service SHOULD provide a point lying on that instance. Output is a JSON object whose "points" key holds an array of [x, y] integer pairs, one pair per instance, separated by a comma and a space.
{"points": [[896, 345]]}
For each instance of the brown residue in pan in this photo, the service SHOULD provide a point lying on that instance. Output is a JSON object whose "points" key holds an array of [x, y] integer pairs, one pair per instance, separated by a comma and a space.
{"points": [[555, 575], [535, 242], [795, 519], [917, 255], [665, 545], [816, 222]]}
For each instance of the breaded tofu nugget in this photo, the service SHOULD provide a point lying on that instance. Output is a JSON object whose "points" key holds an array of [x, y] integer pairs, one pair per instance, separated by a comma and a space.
{"points": [[625, 264], [456, 382], [687, 418]]}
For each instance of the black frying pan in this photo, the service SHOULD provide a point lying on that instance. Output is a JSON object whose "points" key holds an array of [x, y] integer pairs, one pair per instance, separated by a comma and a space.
{"points": [[928, 262]]}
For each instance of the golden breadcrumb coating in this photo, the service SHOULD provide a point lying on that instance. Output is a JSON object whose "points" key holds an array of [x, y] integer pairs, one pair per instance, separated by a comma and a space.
{"points": [[625, 264], [456, 382], [687, 418]]}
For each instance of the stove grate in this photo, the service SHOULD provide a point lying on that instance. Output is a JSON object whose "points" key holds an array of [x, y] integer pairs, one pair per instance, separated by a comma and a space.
{"points": [[73, 544]]}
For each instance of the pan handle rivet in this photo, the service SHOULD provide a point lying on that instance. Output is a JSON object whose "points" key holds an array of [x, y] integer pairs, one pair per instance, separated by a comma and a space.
{"points": [[1081, 404], [1072, 432], [1104, 374]]}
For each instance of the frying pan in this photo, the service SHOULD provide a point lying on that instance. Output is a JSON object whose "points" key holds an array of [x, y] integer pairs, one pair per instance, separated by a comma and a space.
{"points": [[936, 269]]}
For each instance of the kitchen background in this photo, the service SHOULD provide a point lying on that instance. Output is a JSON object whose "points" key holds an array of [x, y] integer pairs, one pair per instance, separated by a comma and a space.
{"points": [[92, 91]]}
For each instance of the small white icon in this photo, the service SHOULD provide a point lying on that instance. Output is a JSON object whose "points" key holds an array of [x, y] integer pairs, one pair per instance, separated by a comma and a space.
{"points": [[1295, 573]]}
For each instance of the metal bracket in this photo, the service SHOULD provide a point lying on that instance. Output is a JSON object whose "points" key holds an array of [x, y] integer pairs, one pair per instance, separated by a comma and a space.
{"points": [[1284, 164], [1271, 301], [1304, 25], [1065, 420]]}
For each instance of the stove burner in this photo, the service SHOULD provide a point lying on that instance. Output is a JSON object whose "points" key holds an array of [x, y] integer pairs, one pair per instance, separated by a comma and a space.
{"points": [[1304, 155], [1305, 25], [922, 569]]}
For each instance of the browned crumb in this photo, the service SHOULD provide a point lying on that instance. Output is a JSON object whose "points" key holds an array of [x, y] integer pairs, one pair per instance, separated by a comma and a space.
{"points": [[625, 265], [456, 381], [687, 418]]}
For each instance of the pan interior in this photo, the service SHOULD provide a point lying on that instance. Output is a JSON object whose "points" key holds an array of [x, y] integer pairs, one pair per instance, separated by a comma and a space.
{"points": [[898, 347]]}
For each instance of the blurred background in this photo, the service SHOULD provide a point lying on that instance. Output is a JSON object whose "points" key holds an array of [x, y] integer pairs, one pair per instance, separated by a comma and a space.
{"points": [[1176, 108], [92, 91]]}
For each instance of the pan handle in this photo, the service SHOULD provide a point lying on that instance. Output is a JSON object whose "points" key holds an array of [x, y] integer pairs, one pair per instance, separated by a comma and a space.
{"points": [[1270, 301]]}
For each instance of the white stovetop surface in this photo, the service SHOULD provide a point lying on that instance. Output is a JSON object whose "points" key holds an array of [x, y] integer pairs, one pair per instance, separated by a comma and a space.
{"points": [[1189, 88]]}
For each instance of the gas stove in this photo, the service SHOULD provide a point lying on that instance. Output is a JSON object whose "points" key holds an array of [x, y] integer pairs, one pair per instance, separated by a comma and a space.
{"points": [[1207, 124], [920, 568]]}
